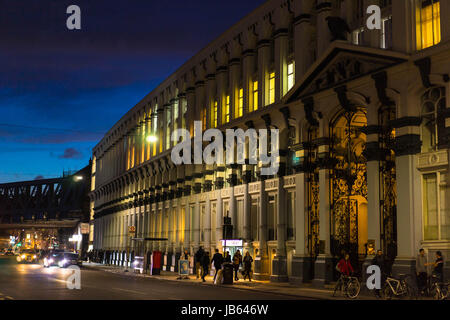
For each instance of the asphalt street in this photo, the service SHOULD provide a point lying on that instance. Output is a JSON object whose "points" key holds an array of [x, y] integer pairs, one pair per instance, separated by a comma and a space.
{"points": [[34, 282]]}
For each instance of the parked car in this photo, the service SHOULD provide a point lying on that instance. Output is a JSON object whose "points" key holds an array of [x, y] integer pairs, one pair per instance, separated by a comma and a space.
{"points": [[9, 252], [27, 256]]}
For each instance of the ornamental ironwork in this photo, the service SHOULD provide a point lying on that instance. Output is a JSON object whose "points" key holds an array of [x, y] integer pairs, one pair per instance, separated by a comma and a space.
{"points": [[388, 184], [313, 194], [348, 179]]}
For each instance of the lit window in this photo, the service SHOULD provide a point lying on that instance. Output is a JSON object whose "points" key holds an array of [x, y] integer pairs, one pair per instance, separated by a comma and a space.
{"points": [[204, 120], [255, 95], [436, 213], [168, 124], [433, 103], [291, 75], [428, 23], [226, 113], [214, 115], [272, 88], [240, 111]]}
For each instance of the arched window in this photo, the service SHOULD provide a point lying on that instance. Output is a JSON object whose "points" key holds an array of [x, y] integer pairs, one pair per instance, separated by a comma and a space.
{"points": [[433, 102]]}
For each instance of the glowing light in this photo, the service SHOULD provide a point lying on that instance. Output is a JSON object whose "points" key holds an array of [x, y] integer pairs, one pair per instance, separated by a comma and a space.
{"points": [[151, 139]]}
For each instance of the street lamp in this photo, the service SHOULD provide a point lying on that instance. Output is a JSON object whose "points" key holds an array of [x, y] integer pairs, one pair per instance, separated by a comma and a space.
{"points": [[151, 139], [78, 178]]}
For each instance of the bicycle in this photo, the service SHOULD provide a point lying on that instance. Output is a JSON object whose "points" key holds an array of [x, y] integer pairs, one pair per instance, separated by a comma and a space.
{"points": [[397, 287], [348, 285], [438, 290]]}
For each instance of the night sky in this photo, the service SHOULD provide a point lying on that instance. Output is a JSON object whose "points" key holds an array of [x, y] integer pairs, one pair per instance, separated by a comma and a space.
{"points": [[61, 90]]}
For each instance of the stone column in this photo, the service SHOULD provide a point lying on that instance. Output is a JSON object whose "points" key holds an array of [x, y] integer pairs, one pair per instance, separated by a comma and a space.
{"points": [[219, 217], [281, 55], [263, 72], [323, 268], [301, 261], [279, 263], [207, 225], [262, 259], [323, 33], [247, 212]]}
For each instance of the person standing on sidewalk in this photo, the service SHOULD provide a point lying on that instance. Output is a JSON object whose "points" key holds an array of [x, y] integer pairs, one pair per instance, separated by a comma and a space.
{"points": [[205, 265], [379, 261], [227, 257], [198, 261], [248, 266], [217, 261], [237, 261], [421, 271]]}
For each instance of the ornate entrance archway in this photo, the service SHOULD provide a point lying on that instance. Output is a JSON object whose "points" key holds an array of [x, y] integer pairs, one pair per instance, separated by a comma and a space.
{"points": [[348, 178]]}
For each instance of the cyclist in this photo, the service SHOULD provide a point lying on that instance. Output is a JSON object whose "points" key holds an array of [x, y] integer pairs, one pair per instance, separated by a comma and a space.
{"points": [[345, 266]]}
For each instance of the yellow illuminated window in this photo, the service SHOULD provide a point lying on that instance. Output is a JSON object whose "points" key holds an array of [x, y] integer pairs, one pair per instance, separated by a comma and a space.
{"points": [[255, 95], [272, 88], [240, 111], [214, 115], [428, 24], [204, 119], [291, 75], [226, 113]]}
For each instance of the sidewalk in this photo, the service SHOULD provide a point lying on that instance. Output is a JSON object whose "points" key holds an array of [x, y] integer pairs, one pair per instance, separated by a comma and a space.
{"points": [[306, 291]]}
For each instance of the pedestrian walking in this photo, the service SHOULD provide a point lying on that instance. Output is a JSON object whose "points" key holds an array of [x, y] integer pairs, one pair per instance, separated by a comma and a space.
{"points": [[248, 266], [205, 265], [217, 261], [198, 262], [237, 261], [421, 271]]}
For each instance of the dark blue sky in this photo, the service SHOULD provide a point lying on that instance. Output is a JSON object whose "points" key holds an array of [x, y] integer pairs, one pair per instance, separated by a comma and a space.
{"points": [[61, 90]]}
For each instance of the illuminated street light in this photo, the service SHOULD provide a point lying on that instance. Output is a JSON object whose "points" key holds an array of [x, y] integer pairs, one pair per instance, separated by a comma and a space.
{"points": [[151, 139], [78, 178]]}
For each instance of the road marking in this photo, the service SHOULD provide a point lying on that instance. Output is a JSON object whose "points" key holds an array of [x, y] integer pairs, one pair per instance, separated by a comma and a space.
{"points": [[131, 291]]}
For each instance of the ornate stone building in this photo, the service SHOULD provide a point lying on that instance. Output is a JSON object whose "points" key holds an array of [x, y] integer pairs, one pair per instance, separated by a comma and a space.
{"points": [[364, 143]]}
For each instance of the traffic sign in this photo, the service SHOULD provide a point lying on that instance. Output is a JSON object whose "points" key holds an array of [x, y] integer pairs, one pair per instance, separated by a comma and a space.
{"points": [[131, 230]]}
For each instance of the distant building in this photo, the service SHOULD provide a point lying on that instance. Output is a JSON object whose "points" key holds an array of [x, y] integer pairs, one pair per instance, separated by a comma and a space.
{"points": [[46, 213], [364, 142]]}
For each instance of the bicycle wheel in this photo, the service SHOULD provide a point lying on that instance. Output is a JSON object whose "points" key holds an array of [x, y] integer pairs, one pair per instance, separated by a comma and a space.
{"points": [[410, 292], [387, 293], [353, 288]]}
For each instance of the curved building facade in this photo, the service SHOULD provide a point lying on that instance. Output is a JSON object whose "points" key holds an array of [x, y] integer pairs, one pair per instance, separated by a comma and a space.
{"points": [[364, 138]]}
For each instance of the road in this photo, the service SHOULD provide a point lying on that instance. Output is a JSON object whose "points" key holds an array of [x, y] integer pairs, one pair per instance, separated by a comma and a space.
{"points": [[34, 282]]}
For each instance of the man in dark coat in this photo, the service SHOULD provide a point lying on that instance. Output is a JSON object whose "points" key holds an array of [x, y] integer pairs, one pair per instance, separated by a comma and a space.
{"points": [[217, 261], [205, 265], [198, 261]]}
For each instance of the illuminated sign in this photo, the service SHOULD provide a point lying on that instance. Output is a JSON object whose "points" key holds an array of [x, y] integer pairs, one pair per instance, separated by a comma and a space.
{"points": [[232, 243]]}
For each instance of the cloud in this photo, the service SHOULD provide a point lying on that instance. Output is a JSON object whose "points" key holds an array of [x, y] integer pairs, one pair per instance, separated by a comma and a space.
{"points": [[71, 153]]}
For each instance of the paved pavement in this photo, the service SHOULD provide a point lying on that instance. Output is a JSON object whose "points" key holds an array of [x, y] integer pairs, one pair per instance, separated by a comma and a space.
{"points": [[287, 290]]}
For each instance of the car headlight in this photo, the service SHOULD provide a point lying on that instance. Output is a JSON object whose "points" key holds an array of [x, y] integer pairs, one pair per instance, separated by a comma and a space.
{"points": [[23, 256], [34, 257], [50, 260]]}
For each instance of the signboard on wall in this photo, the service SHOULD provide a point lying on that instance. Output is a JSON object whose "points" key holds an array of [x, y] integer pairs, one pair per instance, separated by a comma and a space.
{"points": [[232, 243], [131, 230], [84, 228]]}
